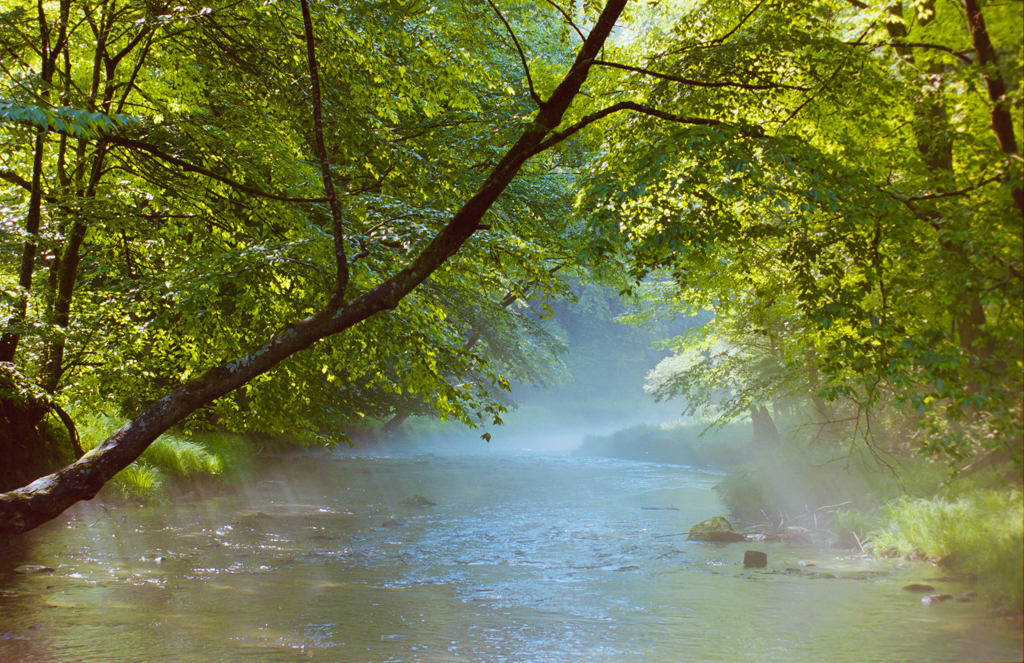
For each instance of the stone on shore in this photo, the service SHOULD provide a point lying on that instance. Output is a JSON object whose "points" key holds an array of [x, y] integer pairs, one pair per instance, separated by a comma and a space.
{"points": [[753, 559], [715, 529], [919, 588]]}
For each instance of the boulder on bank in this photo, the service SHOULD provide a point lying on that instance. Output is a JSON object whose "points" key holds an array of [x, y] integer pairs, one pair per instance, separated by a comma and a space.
{"points": [[715, 529], [753, 559]]}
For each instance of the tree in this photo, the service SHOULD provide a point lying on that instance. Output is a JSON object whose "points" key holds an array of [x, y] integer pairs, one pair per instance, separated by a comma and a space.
{"points": [[354, 295], [872, 203]]}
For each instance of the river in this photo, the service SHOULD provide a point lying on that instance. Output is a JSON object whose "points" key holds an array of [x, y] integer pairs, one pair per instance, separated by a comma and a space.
{"points": [[523, 558]]}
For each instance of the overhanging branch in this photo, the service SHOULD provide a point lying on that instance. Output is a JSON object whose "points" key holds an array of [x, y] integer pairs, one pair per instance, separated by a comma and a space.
{"points": [[696, 83], [199, 170], [557, 137], [522, 56]]}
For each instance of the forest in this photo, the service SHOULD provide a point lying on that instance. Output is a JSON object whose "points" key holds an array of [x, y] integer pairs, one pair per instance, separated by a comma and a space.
{"points": [[306, 224]]}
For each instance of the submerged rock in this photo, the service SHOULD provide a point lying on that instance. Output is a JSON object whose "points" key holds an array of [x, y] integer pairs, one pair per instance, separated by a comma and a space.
{"points": [[753, 559], [715, 529], [919, 588], [936, 598], [417, 500], [28, 569], [392, 523]]}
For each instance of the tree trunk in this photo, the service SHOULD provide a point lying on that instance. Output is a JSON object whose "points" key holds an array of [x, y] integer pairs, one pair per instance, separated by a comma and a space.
{"points": [[765, 431], [9, 341]]}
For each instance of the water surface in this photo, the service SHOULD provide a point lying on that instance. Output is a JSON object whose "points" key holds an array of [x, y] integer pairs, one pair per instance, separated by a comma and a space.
{"points": [[523, 559]]}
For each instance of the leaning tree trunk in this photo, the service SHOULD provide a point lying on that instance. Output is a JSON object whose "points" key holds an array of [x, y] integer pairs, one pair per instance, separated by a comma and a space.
{"points": [[46, 498]]}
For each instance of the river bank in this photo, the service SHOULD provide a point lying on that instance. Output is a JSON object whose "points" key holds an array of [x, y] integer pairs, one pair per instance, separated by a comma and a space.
{"points": [[847, 499]]}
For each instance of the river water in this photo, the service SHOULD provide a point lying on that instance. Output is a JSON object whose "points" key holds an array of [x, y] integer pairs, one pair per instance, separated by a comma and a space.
{"points": [[524, 558]]}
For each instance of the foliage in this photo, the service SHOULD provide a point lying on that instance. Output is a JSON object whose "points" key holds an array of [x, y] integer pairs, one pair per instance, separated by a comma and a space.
{"points": [[844, 207], [192, 203], [792, 482], [172, 460], [981, 534]]}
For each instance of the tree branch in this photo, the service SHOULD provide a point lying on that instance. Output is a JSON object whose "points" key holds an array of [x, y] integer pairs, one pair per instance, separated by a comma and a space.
{"points": [[15, 179], [191, 168], [695, 83], [946, 194], [567, 18], [522, 56], [341, 261], [559, 136]]}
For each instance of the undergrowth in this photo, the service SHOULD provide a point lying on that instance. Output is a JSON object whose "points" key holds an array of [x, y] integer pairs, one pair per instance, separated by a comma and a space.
{"points": [[173, 459], [909, 509], [980, 534]]}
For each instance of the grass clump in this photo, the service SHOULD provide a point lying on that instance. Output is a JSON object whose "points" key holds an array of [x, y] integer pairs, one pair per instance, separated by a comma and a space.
{"points": [[172, 460], [980, 534]]}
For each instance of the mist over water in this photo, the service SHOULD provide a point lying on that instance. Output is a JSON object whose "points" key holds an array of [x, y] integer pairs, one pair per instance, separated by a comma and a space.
{"points": [[523, 558]]}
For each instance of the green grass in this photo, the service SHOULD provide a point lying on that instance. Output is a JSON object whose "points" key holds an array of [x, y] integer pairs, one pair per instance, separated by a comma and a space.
{"points": [[173, 459], [981, 534]]}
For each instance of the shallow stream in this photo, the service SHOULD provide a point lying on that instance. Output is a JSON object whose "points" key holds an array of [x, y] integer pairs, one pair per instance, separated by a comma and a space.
{"points": [[524, 558]]}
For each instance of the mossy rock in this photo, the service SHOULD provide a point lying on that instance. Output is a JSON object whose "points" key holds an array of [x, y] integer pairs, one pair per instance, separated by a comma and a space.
{"points": [[716, 529]]}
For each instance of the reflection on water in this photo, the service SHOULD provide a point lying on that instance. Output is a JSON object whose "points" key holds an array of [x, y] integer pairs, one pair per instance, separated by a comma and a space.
{"points": [[522, 559]]}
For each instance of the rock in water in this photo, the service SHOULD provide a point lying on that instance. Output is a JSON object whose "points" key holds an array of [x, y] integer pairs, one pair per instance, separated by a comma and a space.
{"points": [[715, 529], [27, 569], [752, 559], [417, 500], [392, 523], [937, 598], [919, 588]]}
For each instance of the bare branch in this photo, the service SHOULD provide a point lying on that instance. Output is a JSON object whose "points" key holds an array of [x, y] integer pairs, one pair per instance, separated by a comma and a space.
{"points": [[947, 194], [15, 179], [746, 17], [960, 55]]}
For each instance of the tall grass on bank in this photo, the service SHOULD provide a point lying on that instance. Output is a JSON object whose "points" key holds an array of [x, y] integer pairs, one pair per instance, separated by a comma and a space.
{"points": [[981, 534], [173, 459]]}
